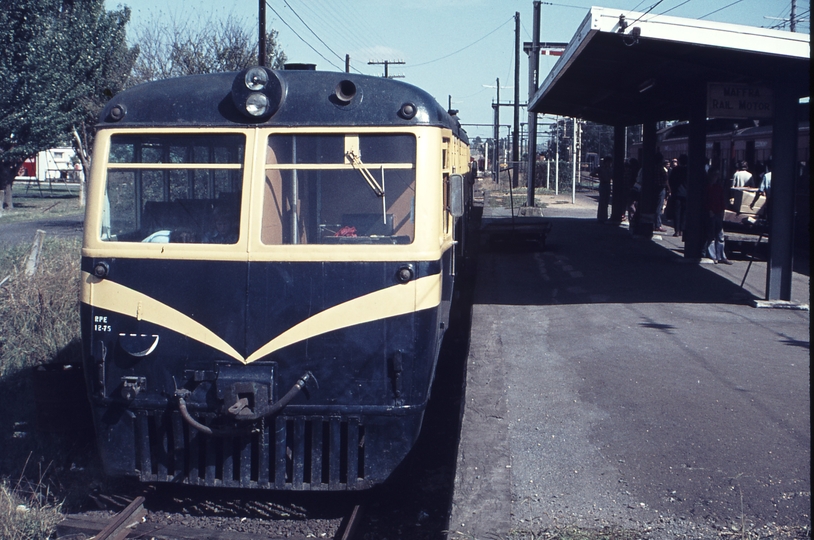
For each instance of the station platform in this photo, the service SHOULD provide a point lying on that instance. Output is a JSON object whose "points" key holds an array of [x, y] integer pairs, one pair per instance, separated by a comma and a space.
{"points": [[613, 386]]}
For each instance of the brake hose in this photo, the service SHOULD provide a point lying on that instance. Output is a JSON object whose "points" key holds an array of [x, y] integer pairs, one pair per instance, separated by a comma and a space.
{"points": [[241, 412], [246, 414], [206, 430]]}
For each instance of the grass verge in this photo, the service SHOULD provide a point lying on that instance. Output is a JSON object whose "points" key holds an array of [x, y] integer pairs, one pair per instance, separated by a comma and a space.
{"points": [[39, 324], [31, 204], [39, 314], [28, 510]]}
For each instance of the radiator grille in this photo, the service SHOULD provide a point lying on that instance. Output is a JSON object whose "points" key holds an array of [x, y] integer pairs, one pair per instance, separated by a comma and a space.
{"points": [[286, 453]]}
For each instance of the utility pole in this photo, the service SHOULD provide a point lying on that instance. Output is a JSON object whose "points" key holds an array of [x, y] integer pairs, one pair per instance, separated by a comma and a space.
{"points": [[574, 161], [347, 63], [386, 64], [557, 154], [534, 66], [515, 137], [577, 151], [792, 18], [261, 43], [496, 159]]}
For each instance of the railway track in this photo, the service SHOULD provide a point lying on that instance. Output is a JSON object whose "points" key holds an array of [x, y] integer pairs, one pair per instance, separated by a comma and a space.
{"points": [[131, 522]]}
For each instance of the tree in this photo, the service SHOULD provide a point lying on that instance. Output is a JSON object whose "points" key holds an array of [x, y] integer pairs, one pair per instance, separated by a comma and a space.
{"points": [[597, 138], [58, 58], [173, 48]]}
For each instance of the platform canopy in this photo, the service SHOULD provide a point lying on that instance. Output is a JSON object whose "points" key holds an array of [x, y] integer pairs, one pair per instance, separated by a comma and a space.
{"points": [[625, 68]]}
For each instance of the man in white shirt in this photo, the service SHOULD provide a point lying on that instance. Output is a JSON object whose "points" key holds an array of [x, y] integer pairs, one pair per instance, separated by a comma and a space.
{"points": [[742, 177]]}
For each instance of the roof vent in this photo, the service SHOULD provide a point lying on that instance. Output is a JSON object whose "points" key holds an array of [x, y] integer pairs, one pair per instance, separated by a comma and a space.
{"points": [[300, 67]]}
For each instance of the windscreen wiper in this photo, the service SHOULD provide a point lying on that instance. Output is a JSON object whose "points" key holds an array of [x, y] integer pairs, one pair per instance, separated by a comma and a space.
{"points": [[359, 166]]}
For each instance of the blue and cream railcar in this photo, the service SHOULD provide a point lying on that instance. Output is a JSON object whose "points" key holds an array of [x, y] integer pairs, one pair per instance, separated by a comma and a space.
{"points": [[267, 271]]}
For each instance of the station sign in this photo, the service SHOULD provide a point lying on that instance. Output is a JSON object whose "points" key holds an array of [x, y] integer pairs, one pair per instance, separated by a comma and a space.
{"points": [[729, 100]]}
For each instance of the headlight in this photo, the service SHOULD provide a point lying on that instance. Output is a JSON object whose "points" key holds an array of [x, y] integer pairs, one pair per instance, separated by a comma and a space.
{"points": [[257, 104], [256, 78], [257, 92]]}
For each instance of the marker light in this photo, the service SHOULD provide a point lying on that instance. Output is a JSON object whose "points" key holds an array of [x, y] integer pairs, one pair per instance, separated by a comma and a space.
{"points": [[257, 104], [408, 111], [256, 78], [257, 93]]}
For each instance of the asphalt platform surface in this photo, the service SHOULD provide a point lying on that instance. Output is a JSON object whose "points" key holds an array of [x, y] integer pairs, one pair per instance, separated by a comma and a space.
{"points": [[611, 385]]}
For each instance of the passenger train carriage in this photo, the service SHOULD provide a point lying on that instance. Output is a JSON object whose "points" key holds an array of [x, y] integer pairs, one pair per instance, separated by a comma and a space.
{"points": [[267, 271]]}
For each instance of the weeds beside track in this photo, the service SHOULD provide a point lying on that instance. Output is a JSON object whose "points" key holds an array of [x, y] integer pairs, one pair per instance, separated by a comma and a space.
{"points": [[39, 324]]}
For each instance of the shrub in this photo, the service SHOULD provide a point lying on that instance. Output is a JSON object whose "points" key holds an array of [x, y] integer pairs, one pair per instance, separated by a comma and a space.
{"points": [[39, 315], [27, 512]]}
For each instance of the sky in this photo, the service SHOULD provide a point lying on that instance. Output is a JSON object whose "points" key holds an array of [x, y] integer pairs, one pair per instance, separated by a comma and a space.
{"points": [[454, 49]]}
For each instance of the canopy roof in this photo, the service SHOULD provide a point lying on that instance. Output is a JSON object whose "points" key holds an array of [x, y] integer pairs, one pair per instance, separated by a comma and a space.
{"points": [[624, 68]]}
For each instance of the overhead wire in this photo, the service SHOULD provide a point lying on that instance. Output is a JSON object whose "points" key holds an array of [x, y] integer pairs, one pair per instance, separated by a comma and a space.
{"points": [[339, 25], [526, 30], [327, 26], [651, 8], [311, 30], [800, 16], [561, 5], [720, 9], [351, 13], [787, 21], [299, 36], [465, 47], [675, 7], [785, 18]]}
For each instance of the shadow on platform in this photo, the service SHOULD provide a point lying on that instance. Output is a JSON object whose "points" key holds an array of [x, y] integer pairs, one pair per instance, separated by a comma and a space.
{"points": [[587, 262]]}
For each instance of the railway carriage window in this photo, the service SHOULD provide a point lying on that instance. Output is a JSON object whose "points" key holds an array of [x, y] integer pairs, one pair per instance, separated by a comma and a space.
{"points": [[339, 189], [173, 188]]}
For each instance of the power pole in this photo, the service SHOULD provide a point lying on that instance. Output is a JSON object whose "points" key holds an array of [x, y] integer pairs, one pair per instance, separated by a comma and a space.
{"points": [[534, 67], [793, 16], [261, 43], [515, 137], [347, 63], [575, 157], [557, 154], [386, 64], [574, 164], [496, 160]]}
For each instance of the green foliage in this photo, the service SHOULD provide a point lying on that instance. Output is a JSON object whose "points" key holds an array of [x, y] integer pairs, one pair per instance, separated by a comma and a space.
{"points": [[27, 514], [597, 138], [39, 315], [169, 47], [58, 59]]}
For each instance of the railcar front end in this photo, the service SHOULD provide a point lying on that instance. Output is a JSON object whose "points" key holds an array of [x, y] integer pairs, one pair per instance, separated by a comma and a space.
{"points": [[267, 268]]}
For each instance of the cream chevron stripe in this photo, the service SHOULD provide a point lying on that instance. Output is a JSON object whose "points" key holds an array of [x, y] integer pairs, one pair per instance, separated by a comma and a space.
{"points": [[423, 293], [106, 294]]}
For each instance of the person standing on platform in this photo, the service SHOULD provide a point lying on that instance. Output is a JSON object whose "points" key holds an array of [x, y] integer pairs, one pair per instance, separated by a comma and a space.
{"points": [[633, 183], [742, 177], [605, 175], [764, 190], [662, 190], [678, 190], [717, 197]]}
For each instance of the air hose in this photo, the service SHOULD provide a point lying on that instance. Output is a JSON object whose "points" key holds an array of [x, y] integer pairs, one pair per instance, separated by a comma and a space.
{"points": [[240, 411], [243, 413]]}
